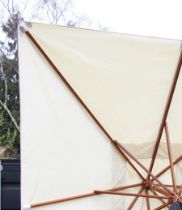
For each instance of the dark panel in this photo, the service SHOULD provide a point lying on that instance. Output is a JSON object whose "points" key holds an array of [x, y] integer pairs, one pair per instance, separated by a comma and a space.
{"points": [[10, 180], [10, 197], [175, 206]]}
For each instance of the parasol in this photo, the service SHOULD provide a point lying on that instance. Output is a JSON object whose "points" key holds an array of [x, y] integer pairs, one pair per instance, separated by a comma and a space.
{"points": [[100, 120]]}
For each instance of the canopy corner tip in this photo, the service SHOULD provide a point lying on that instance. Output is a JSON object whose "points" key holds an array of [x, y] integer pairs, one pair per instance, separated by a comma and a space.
{"points": [[24, 26]]}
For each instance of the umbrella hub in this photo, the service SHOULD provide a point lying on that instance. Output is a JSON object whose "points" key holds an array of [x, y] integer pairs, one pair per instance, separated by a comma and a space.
{"points": [[146, 184]]}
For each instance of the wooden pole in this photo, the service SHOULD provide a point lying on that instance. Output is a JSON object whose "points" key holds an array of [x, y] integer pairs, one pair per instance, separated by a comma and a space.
{"points": [[166, 110], [170, 157], [158, 188], [167, 168], [45, 203], [157, 194], [131, 194], [169, 185], [135, 199], [147, 200], [163, 206], [128, 160]]}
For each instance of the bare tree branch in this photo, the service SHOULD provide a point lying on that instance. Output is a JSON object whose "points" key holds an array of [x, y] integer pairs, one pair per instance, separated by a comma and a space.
{"points": [[4, 104], [10, 115]]}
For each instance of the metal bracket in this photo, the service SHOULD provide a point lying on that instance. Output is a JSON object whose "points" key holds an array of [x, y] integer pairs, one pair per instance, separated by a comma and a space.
{"points": [[23, 26]]}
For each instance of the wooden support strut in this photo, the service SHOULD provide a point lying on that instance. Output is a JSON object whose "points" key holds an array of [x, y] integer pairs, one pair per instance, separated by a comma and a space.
{"points": [[170, 157], [157, 194], [131, 194], [135, 199], [67, 83], [165, 114], [128, 160], [159, 189], [167, 168], [147, 200], [45, 203], [163, 206], [170, 185]]}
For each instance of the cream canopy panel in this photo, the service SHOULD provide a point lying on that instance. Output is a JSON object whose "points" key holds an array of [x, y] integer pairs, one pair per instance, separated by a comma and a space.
{"points": [[123, 79]]}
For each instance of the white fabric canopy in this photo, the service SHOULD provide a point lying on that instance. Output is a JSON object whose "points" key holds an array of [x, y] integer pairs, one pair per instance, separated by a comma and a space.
{"points": [[125, 81]]}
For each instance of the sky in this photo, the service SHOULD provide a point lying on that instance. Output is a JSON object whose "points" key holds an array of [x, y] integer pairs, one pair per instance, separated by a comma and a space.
{"points": [[158, 18], [161, 18]]}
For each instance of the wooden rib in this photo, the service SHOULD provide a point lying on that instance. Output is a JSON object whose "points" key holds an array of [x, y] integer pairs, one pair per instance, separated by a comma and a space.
{"points": [[166, 110], [147, 200], [158, 198], [167, 168], [66, 83], [158, 188], [170, 185], [45, 203], [75, 93], [163, 206], [128, 160], [135, 199], [170, 157], [143, 167], [130, 194]]}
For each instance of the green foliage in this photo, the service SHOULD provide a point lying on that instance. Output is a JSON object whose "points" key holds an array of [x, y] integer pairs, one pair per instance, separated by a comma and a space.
{"points": [[9, 82]]}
